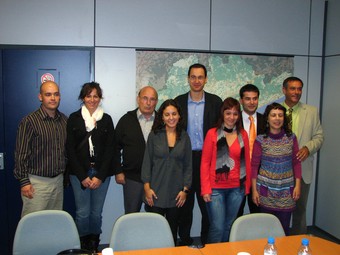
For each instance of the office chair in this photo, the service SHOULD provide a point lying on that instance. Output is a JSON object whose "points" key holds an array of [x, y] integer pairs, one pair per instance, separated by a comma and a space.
{"points": [[138, 231], [255, 226], [45, 232]]}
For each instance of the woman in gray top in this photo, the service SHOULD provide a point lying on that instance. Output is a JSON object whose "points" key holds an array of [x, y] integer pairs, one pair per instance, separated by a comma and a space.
{"points": [[167, 165]]}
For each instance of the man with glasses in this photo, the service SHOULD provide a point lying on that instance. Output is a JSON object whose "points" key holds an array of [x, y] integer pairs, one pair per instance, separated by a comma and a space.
{"points": [[131, 134], [200, 112]]}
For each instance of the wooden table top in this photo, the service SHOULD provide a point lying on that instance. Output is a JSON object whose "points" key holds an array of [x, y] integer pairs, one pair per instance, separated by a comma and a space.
{"points": [[286, 246], [181, 250]]}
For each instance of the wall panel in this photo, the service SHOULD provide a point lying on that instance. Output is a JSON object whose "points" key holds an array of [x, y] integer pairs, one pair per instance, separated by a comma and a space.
{"points": [[328, 197], [316, 29], [332, 31], [279, 27], [176, 24], [48, 22]]}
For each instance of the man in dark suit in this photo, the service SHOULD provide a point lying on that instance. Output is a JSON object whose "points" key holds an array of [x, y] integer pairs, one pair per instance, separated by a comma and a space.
{"points": [[249, 99], [200, 112]]}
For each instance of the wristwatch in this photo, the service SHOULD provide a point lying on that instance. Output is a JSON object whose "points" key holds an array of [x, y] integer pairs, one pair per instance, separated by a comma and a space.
{"points": [[186, 190]]}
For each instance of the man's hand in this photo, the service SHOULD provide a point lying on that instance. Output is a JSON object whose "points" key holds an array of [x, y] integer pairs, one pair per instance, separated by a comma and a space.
{"points": [[302, 154], [27, 191], [120, 178]]}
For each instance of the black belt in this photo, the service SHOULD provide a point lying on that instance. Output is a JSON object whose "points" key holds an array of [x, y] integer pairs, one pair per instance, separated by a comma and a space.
{"points": [[196, 152], [54, 175], [242, 180]]}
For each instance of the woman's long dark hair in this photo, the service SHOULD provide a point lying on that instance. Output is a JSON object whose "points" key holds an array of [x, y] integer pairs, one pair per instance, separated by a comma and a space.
{"points": [[158, 124], [276, 106], [228, 104]]}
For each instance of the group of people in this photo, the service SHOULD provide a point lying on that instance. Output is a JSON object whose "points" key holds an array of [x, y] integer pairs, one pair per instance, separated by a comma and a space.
{"points": [[193, 145]]}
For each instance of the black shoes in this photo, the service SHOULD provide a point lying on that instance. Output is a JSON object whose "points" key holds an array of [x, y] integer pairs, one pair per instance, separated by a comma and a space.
{"points": [[90, 242], [185, 241]]}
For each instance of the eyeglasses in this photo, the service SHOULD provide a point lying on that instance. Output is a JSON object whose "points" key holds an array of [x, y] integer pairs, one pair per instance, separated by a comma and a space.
{"points": [[193, 78], [146, 99]]}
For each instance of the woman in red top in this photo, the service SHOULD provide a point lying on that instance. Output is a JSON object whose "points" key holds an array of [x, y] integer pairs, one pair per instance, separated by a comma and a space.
{"points": [[225, 166]]}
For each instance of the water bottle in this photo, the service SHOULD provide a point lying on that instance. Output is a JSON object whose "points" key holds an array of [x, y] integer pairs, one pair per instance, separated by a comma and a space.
{"points": [[304, 248], [270, 248]]}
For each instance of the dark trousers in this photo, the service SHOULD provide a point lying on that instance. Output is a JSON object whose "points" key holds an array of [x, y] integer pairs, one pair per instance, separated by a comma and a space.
{"points": [[284, 218], [299, 223], [171, 215], [133, 195], [186, 212], [253, 208]]}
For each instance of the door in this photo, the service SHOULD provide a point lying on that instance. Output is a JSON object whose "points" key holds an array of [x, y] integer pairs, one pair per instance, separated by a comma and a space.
{"points": [[22, 73]]}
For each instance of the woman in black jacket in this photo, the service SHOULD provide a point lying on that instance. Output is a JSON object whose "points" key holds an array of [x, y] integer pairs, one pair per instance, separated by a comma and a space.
{"points": [[89, 144]]}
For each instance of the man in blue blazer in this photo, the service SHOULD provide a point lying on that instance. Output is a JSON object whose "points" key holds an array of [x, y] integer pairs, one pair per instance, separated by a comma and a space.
{"points": [[249, 99], [200, 112], [307, 128]]}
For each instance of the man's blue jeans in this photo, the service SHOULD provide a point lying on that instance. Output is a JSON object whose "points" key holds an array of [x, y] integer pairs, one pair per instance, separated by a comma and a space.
{"points": [[89, 206], [222, 211]]}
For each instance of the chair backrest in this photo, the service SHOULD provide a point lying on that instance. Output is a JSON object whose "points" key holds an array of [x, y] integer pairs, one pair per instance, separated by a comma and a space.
{"points": [[255, 226], [138, 231], [45, 232]]}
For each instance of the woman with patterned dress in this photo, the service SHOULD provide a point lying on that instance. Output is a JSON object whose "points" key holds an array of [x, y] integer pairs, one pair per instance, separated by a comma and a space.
{"points": [[276, 171]]}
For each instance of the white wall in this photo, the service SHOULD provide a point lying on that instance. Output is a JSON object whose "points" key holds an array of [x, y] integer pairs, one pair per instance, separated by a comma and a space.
{"points": [[115, 70], [328, 199], [116, 27]]}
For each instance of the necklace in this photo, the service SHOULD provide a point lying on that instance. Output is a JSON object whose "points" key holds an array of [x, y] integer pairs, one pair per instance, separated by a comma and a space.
{"points": [[228, 130]]}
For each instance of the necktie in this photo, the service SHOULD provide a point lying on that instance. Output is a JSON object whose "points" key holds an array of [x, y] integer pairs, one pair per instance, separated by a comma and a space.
{"points": [[290, 118], [252, 134]]}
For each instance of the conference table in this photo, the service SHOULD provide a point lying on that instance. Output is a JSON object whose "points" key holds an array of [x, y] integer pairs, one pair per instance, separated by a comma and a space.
{"points": [[286, 246]]}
